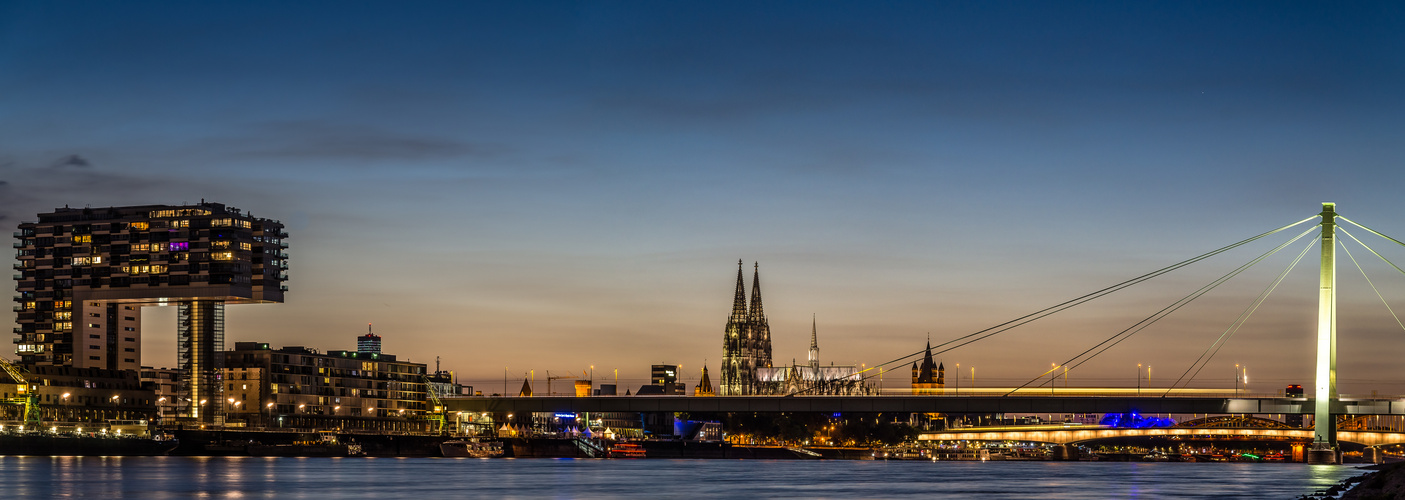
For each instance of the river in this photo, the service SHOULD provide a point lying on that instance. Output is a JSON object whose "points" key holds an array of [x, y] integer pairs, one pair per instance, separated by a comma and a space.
{"points": [[443, 478]]}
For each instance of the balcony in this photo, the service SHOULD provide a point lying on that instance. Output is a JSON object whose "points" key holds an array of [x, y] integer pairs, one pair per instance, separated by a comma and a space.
{"points": [[18, 308], [283, 288], [19, 244]]}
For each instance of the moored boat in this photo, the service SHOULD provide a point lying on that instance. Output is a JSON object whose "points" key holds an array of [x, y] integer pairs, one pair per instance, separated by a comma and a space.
{"points": [[472, 448]]}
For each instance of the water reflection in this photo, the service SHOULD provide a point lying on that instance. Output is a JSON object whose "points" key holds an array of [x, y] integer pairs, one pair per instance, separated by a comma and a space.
{"points": [[247, 477]]}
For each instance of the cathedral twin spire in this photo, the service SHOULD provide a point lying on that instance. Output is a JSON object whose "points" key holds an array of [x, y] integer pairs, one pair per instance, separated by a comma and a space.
{"points": [[746, 339]]}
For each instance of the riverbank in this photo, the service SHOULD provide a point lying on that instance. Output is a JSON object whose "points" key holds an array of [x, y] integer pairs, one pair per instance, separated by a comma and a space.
{"points": [[1384, 481]]}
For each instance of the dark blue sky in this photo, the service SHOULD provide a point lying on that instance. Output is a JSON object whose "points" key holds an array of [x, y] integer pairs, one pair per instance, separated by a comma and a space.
{"points": [[484, 179]]}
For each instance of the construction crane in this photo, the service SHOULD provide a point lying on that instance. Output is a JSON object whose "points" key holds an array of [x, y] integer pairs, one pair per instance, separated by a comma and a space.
{"points": [[24, 396], [437, 415], [549, 378]]}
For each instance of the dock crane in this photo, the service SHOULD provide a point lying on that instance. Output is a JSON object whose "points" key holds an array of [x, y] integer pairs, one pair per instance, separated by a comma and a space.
{"points": [[24, 396], [436, 415]]}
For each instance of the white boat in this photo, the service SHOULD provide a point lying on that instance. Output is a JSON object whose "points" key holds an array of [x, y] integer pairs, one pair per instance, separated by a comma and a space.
{"points": [[472, 448]]}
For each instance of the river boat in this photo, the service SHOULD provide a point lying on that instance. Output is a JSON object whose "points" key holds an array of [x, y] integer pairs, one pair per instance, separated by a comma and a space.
{"points": [[627, 450], [36, 444], [472, 448], [324, 444]]}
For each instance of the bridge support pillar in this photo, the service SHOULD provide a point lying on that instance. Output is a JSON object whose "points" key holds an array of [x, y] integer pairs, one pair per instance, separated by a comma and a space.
{"points": [[1373, 454], [1328, 456], [1324, 439], [1063, 452]]}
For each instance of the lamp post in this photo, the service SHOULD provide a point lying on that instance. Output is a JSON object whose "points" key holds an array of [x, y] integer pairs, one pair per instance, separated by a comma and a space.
{"points": [[1236, 380], [1139, 379], [957, 389], [268, 415]]}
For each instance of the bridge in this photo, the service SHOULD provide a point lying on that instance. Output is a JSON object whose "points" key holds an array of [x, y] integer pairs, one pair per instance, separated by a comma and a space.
{"points": [[1324, 403], [1054, 404], [1082, 434]]}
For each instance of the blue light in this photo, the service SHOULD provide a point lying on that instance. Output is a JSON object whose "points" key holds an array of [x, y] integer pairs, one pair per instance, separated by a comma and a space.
{"points": [[1134, 421], [565, 415]]}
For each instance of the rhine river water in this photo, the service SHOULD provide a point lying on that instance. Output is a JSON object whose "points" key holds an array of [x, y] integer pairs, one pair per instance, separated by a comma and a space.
{"points": [[443, 478]]}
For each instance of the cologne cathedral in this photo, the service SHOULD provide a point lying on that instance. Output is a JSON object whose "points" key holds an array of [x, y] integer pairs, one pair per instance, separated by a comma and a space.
{"points": [[746, 342], [746, 356]]}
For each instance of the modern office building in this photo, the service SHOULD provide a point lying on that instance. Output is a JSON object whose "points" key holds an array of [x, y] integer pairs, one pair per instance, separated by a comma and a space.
{"points": [[746, 340], [85, 273], [300, 387], [368, 343]]}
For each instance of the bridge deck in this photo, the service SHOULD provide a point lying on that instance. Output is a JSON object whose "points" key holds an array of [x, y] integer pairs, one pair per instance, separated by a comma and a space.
{"points": [[921, 404]]}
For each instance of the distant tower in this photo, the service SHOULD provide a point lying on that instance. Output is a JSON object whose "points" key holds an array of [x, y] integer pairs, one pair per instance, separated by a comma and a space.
{"points": [[737, 369], [814, 345], [704, 387], [760, 327], [929, 376], [370, 342], [746, 340]]}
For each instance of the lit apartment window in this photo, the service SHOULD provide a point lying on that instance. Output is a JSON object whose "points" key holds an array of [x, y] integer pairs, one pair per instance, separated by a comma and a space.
{"points": [[222, 255], [140, 226], [180, 246]]}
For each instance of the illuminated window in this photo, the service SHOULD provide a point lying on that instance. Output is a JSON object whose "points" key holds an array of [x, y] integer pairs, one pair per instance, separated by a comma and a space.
{"points": [[141, 247], [219, 244], [82, 261], [97, 260], [180, 246], [220, 222], [158, 269], [140, 226], [180, 223], [63, 325], [83, 239], [63, 315], [222, 255], [246, 246], [158, 247]]}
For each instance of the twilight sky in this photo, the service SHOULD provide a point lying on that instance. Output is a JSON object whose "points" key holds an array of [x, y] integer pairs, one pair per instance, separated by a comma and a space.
{"points": [[541, 186]]}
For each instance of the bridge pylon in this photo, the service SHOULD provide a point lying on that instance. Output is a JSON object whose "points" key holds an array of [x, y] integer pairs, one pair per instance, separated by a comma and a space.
{"points": [[1324, 435]]}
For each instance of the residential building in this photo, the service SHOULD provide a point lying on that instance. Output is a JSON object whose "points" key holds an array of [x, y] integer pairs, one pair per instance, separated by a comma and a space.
{"points": [[300, 387], [85, 273]]}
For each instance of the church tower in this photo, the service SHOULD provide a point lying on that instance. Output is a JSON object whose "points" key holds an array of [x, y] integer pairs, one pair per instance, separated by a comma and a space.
{"points": [[746, 340], [735, 338]]}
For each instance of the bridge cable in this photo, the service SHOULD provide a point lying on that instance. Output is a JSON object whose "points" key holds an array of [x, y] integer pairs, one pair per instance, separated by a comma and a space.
{"points": [[1157, 316], [1082, 299], [1238, 323], [1368, 278], [1377, 233], [1028, 318], [1382, 257]]}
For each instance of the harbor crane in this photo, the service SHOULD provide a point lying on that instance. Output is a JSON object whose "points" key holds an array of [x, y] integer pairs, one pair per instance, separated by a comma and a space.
{"points": [[24, 394]]}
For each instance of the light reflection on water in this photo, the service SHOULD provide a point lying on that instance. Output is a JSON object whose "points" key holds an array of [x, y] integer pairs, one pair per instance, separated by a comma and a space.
{"points": [[426, 478]]}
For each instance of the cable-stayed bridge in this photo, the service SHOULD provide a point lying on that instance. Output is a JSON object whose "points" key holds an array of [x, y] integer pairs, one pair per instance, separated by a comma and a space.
{"points": [[1037, 395]]}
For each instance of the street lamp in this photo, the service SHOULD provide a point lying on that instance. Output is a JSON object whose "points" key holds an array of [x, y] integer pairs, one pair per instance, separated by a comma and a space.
{"points": [[1139, 379], [1236, 380]]}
